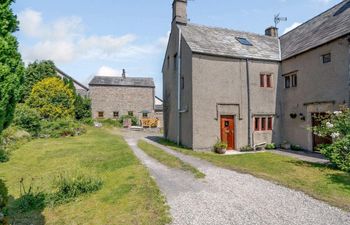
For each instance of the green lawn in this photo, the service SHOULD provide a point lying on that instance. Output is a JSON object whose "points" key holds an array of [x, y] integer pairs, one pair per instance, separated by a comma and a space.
{"points": [[128, 194], [317, 180], [168, 159]]}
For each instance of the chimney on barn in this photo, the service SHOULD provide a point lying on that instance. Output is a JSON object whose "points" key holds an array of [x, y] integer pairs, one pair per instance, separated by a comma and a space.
{"points": [[180, 12], [271, 31], [124, 74]]}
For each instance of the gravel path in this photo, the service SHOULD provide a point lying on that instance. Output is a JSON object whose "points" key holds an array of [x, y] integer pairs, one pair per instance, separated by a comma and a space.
{"points": [[225, 197]]}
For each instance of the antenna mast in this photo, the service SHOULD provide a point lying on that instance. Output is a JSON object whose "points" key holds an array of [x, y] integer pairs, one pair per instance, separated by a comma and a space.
{"points": [[279, 19]]}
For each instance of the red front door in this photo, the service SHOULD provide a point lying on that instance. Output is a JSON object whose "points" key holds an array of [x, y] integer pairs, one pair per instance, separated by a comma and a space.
{"points": [[228, 131]]}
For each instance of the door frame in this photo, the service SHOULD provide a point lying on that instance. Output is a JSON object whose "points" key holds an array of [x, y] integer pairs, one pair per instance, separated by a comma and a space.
{"points": [[233, 117]]}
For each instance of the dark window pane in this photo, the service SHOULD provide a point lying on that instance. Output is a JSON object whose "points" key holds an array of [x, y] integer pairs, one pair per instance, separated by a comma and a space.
{"points": [[327, 58], [257, 122], [269, 123], [244, 41], [262, 80], [268, 81], [294, 81], [263, 123], [287, 82]]}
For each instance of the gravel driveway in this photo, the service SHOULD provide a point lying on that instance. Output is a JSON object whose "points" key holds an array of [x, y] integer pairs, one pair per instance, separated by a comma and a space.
{"points": [[226, 197]]}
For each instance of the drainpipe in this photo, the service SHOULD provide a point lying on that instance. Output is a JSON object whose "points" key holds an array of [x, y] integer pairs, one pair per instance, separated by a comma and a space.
{"points": [[249, 108], [179, 89], [349, 68]]}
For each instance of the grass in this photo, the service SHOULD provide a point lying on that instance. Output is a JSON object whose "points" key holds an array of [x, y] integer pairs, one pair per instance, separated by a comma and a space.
{"points": [[168, 159], [128, 194], [317, 180]]}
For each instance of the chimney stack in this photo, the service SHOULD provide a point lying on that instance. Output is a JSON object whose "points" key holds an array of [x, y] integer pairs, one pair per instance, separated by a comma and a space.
{"points": [[124, 74], [271, 31], [180, 12]]}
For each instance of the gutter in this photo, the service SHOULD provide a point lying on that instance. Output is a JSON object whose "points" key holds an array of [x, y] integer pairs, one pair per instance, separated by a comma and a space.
{"points": [[249, 107], [178, 141]]}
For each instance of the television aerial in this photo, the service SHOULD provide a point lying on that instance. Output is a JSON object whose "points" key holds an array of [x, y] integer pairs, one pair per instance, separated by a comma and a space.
{"points": [[279, 19]]}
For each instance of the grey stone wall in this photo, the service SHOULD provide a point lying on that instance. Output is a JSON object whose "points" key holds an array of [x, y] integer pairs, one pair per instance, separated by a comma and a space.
{"points": [[109, 99]]}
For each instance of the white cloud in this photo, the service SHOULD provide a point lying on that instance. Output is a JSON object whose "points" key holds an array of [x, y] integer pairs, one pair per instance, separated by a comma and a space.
{"points": [[325, 2], [64, 40], [293, 26], [108, 71]]}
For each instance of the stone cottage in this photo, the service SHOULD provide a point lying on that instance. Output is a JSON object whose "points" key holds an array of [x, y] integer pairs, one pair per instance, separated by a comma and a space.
{"points": [[246, 89], [112, 97]]}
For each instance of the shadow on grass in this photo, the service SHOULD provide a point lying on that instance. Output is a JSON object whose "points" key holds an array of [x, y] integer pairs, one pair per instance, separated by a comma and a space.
{"points": [[21, 213]]}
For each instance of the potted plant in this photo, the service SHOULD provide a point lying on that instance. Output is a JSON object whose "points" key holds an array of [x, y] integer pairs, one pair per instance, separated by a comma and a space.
{"points": [[220, 147]]}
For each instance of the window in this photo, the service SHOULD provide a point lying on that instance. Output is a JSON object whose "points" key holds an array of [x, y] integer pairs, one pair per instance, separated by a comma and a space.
{"points": [[263, 123], [115, 114], [131, 113], [269, 123], [145, 115], [268, 81], [294, 80], [287, 82], [182, 83], [262, 80], [257, 124], [244, 41], [100, 114], [327, 58]]}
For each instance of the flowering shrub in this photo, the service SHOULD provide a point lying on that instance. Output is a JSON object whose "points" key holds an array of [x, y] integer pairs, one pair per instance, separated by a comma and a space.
{"points": [[337, 126]]}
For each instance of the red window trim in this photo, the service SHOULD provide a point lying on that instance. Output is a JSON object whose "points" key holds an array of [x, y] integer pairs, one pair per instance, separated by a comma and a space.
{"points": [[269, 81], [262, 80], [263, 123]]}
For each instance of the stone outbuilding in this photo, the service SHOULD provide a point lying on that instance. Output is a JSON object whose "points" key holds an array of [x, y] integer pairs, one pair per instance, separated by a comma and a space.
{"points": [[113, 97]]}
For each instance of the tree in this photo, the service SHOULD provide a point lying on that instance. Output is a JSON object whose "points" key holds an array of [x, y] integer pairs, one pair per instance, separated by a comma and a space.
{"points": [[82, 108], [35, 72], [11, 65], [337, 126], [52, 99]]}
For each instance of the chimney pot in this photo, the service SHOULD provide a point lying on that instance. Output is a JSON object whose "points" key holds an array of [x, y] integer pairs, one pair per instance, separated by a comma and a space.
{"points": [[272, 32]]}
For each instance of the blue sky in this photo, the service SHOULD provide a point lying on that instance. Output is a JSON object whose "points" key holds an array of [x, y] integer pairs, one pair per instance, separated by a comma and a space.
{"points": [[102, 37]]}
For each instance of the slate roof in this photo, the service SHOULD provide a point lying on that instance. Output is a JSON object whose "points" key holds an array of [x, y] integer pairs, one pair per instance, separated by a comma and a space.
{"points": [[63, 74], [223, 42], [120, 81], [330, 25]]}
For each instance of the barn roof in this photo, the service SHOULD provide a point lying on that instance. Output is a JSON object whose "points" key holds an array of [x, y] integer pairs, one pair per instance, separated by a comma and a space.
{"points": [[120, 81]]}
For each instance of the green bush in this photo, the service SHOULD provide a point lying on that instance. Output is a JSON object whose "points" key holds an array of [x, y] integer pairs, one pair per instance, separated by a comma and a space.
{"points": [[4, 157], [27, 118], [82, 108], [61, 128], [29, 199], [72, 186], [12, 138], [337, 127], [52, 99], [270, 146], [296, 147], [134, 120], [247, 148], [3, 195]]}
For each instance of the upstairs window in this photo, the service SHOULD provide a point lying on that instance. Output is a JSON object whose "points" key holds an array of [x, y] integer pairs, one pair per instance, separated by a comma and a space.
{"points": [[291, 81], [327, 58], [145, 115], [244, 41], [115, 114], [266, 80], [182, 83]]}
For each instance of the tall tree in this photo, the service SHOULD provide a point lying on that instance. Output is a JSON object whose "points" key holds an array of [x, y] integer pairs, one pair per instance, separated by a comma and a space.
{"points": [[11, 65], [35, 72]]}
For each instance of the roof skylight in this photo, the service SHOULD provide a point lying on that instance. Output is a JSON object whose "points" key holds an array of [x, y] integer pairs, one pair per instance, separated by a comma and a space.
{"points": [[244, 41]]}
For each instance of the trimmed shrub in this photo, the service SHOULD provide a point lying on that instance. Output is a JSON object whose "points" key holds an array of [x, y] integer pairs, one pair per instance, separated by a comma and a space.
{"points": [[61, 128], [247, 148], [82, 108], [270, 146], [134, 120], [52, 99], [27, 118]]}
